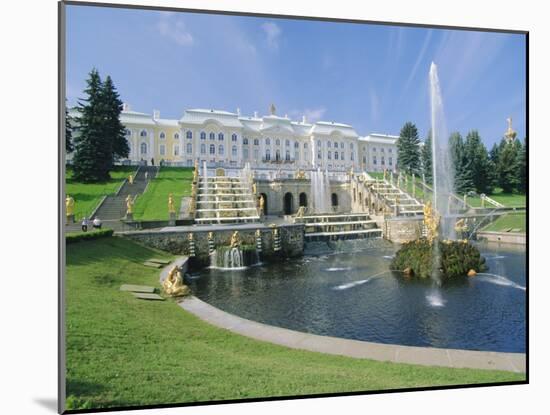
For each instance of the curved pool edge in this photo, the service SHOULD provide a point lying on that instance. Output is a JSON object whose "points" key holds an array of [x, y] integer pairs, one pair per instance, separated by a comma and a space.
{"points": [[427, 356]]}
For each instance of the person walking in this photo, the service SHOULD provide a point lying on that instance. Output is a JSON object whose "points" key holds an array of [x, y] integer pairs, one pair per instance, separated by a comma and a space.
{"points": [[146, 175], [85, 224], [96, 223]]}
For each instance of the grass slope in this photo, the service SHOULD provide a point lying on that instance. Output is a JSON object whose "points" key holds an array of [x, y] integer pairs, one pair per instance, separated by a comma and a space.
{"points": [[153, 204], [122, 351], [88, 195], [507, 222]]}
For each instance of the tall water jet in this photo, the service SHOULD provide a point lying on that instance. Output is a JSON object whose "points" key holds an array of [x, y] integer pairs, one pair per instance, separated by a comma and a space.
{"points": [[443, 174], [320, 187], [205, 176]]}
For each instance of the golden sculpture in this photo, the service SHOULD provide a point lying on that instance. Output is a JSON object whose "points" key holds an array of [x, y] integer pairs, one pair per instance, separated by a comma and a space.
{"points": [[129, 204], [431, 221], [258, 233], [460, 228], [300, 175], [510, 134], [262, 204], [350, 172], [173, 284], [69, 205], [211, 235], [130, 179], [254, 188], [385, 171], [301, 211], [235, 240], [171, 206]]}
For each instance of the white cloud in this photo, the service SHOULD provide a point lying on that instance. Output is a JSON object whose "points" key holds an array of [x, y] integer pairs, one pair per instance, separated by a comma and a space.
{"points": [[272, 32], [374, 106], [312, 114], [174, 28]]}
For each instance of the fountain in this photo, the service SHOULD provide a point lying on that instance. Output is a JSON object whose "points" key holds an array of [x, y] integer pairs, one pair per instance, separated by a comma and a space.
{"points": [[320, 188], [236, 256], [439, 255]]}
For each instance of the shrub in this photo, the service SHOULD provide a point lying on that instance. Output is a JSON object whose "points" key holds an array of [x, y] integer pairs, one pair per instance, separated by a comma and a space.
{"points": [[82, 236]]}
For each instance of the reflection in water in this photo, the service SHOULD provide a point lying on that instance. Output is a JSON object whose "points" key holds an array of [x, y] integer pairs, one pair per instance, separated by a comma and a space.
{"points": [[346, 290]]}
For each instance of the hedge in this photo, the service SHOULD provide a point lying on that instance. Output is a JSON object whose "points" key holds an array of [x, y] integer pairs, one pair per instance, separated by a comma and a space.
{"points": [[82, 236]]}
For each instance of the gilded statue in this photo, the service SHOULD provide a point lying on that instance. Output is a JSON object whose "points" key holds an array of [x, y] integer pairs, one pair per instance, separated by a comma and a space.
{"points": [[300, 175], [431, 221], [69, 205], [173, 283], [254, 188], [235, 240], [211, 235], [130, 179], [262, 204], [460, 228], [385, 171], [510, 133], [129, 204], [301, 212], [171, 206]]}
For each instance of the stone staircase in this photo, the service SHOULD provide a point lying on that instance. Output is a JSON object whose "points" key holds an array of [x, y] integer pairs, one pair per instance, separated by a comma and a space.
{"points": [[396, 200], [113, 207]]}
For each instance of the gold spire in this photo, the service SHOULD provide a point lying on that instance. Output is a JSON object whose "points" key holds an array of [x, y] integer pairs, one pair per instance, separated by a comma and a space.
{"points": [[510, 134]]}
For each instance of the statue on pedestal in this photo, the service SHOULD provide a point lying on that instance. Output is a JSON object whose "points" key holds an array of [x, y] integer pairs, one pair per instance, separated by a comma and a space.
{"points": [[235, 240], [129, 205], [130, 179], [171, 206], [69, 206], [431, 221], [262, 204]]}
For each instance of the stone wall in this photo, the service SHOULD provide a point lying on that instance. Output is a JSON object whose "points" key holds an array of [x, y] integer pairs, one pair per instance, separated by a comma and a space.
{"points": [[402, 230], [177, 241], [277, 190]]}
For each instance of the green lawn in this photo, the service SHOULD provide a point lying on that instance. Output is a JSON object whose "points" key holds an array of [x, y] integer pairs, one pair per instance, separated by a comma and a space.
{"points": [[88, 195], [153, 204], [507, 222], [122, 351]]}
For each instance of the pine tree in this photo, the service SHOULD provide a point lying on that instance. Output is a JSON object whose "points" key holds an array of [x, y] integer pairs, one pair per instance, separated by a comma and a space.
{"points": [[522, 167], [508, 165], [475, 153], [69, 148], [408, 151], [93, 151], [426, 154], [463, 175], [114, 129]]}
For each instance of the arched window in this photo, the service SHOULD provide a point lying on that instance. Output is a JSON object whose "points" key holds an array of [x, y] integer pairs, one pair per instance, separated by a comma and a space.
{"points": [[220, 149], [287, 143], [212, 136], [305, 145], [256, 142], [143, 133], [189, 134], [203, 135], [190, 148], [351, 146], [342, 145], [319, 155], [334, 198], [267, 141], [335, 155], [176, 150], [373, 159], [318, 143], [162, 150], [203, 148], [277, 142], [245, 141], [220, 137], [296, 144], [342, 156], [268, 154], [287, 155], [234, 138], [127, 132], [277, 154], [212, 149], [296, 155], [234, 151], [328, 144], [162, 136], [329, 155], [382, 161], [143, 148]]}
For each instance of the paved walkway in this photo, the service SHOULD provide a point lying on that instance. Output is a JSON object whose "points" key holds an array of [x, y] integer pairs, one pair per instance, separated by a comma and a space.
{"points": [[429, 356]]}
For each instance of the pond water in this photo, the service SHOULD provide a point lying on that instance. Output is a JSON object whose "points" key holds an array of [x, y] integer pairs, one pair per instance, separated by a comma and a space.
{"points": [[346, 290]]}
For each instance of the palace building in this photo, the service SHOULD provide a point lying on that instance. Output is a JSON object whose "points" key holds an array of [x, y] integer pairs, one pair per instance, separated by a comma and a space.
{"points": [[229, 139]]}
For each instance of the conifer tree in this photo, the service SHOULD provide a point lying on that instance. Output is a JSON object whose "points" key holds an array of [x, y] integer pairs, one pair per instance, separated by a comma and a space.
{"points": [[508, 166], [463, 175], [408, 151], [522, 167], [69, 148], [114, 129], [476, 155], [426, 155]]}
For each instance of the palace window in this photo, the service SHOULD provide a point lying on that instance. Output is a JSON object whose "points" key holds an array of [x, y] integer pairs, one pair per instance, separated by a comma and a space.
{"points": [[203, 135], [162, 150], [245, 153], [128, 132], [245, 141], [382, 150], [143, 148], [256, 154], [212, 149], [234, 151], [190, 148], [351, 157], [256, 142], [287, 155], [143, 133], [296, 155], [212, 136], [220, 137], [277, 142], [319, 155], [382, 161], [373, 159], [189, 135], [287, 143], [176, 150], [234, 138], [268, 154], [328, 144], [162, 136], [203, 148], [329, 155], [351, 146], [318, 143], [267, 141], [390, 161], [342, 156], [305, 145], [277, 154], [335, 155], [374, 149], [220, 149], [390, 150]]}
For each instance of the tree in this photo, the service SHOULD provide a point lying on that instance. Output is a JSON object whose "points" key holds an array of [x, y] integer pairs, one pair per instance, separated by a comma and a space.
{"points": [[463, 175], [426, 155], [408, 151], [114, 130], [93, 150], [522, 167], [69, 148], [508, 165], [475, 153]]}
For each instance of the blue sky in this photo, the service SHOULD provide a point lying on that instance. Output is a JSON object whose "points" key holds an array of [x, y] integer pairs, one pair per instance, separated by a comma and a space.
{"points": [[373, 77]]}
